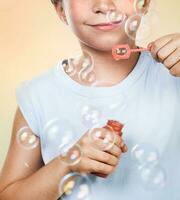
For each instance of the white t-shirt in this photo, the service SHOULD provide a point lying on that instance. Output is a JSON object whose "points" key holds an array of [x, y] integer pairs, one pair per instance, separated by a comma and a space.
{"points": [[147, 101]]}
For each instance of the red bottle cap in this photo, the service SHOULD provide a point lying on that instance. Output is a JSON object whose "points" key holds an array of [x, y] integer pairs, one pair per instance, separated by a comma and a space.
{"points": [[117, 126]]}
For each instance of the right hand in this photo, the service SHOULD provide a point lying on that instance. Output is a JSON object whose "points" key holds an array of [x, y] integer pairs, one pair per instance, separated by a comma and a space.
{"points": [[97, 161]]}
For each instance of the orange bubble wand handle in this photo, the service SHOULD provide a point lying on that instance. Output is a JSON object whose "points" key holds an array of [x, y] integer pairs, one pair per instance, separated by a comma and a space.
{"points": [[139, 50]]}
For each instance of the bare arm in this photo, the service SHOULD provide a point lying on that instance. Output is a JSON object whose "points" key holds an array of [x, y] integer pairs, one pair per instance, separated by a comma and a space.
{"points": [[34, 181]]}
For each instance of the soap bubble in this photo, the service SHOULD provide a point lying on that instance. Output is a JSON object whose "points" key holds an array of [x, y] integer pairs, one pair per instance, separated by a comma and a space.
{"points": [[90, 115], [70, 66], [141, 6], [131, 26], [144, 153], [76, 185], [152, 176], [70, 154], [115, 17], [102, 138], [26, 139], [86, 74], [81, 66], [62, 136]]}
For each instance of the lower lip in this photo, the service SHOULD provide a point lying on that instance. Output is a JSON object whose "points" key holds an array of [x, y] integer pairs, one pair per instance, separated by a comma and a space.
{"points": [[106, 28]]}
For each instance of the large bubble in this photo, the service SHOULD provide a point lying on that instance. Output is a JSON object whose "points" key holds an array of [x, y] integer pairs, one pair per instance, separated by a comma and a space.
{"points": [[152, 176], [132, 25], [76, 185], [102, 138], [70, 155]]}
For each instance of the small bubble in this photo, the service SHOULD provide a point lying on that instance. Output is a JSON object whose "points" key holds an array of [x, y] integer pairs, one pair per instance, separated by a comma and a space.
{"points": [[26, 139], [115, 17]]}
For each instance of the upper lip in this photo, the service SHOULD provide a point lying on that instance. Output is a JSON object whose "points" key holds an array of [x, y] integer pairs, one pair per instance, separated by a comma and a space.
{"points": [[105, 23]]}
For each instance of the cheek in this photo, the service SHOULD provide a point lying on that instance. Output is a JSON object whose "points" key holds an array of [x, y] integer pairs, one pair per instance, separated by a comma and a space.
{"points": [[77, 10], [126, 6]]}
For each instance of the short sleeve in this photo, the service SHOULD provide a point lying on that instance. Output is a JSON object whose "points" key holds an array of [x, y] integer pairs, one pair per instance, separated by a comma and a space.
{"points": [[24, 98]]}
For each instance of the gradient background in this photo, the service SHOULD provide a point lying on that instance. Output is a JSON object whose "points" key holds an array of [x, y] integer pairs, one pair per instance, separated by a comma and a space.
{"points": [[32, 40]]}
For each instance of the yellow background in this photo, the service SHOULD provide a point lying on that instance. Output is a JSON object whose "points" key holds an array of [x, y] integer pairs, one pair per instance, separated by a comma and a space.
{"points": [[32, 39]]}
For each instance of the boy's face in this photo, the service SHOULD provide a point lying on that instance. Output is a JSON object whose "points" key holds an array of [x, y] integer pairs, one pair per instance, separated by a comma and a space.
{"points": [[83, 15]]}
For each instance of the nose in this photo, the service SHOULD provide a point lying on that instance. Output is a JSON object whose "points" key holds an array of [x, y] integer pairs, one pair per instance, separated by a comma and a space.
{"points": [[103, 6]]}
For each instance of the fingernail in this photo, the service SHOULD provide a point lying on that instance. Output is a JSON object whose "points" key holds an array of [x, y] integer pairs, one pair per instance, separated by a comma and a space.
{"points": [[150, 45], [122, 144]]}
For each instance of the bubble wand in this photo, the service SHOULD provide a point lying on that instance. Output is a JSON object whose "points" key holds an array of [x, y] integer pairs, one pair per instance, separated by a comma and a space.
{"points": [[123, 51]]}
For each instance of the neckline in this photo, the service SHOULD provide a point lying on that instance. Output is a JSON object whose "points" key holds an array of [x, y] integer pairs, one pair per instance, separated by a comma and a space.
{"points": [[103, 91]]}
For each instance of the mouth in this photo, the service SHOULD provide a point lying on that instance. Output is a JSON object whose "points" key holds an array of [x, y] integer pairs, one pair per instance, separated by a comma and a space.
{"points": [[106, 26]]}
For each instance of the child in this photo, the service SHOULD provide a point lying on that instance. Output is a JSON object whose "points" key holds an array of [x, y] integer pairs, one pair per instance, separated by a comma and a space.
{"points": [[146, 95]]}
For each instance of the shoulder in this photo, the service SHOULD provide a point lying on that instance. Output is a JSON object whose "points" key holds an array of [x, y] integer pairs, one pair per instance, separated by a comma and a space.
{"points": [[40, 83], [30, 95]]}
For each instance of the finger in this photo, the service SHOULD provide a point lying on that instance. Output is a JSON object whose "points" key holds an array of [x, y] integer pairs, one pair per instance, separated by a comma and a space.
{"points": [[158, 44], [104, 138], [118, 141], [175, 70], [124, 148], [101, 156], [115, 150], [99, 167], [166, 50], [172, 59]]}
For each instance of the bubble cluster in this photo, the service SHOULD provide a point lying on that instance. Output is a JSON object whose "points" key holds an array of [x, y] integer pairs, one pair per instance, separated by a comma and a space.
{"points": [[82, 68], [26, 139], [150, 173], [76, 185], [152, 176], [144, 153], [62, 134], [90, 115], [102, 138]]}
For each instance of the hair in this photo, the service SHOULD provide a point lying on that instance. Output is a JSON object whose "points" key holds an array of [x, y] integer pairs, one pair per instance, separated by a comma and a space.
{"points": [[54, 1]]}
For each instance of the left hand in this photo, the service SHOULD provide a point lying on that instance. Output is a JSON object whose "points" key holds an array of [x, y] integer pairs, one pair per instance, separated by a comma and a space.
{"points": [[167, 51]]}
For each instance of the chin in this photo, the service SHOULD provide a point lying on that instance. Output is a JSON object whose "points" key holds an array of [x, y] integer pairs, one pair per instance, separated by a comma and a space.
{"points": [[104, 44]]}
